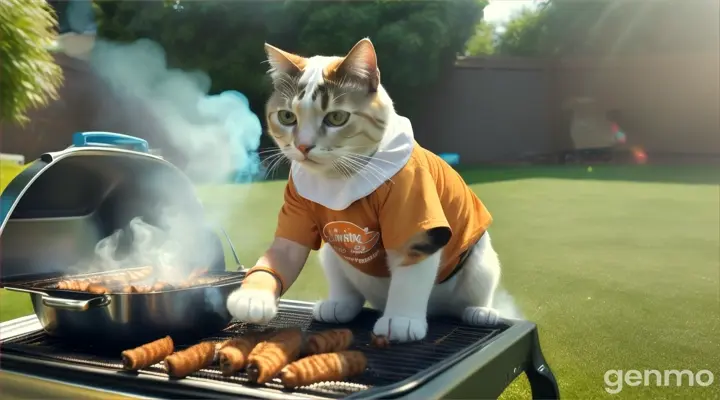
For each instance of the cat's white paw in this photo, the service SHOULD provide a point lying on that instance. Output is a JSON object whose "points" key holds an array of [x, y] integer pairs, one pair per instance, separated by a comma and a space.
{"points": [[251, 305], [401, 329], [483, 316], [336, 312]]}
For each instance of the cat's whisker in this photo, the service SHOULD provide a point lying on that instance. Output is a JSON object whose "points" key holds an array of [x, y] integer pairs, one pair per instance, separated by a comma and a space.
{"points": [[360, 168], [272, 157], [378, 169], [378, 172], [277, 165], [341, 169], [362, 156], [359, 173], [270, 151], [276, 161]]}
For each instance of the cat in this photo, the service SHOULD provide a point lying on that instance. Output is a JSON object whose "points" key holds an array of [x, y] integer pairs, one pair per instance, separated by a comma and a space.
{"points": [[395, 225]]}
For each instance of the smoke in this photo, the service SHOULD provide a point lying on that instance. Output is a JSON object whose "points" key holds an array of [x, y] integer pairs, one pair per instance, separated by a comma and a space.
{"points": [[172, 252], [218, 135], [505, 304]]}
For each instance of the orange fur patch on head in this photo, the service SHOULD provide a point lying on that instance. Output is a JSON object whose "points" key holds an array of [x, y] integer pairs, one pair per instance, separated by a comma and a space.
{"points": [[360, 63], [330, 70], [283, 61]]}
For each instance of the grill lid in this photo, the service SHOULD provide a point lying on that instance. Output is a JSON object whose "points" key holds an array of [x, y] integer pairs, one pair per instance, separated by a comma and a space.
{"points": [[54, 213]]}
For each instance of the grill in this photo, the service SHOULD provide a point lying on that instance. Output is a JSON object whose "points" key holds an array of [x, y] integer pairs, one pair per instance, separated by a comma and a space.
{"points": [[96, 189], [388, 369]]}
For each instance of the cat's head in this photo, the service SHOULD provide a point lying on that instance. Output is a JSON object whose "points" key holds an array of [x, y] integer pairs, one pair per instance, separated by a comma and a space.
{"points": [[328, 113]]}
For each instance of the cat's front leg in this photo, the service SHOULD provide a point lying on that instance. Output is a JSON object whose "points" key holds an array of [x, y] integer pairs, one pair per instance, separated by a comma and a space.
{"points": [[344, 302], [405, 316]]}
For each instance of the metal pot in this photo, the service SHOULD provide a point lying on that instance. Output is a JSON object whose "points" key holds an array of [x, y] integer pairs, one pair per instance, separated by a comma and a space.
{"points": [[54, 212], [133, 317]]}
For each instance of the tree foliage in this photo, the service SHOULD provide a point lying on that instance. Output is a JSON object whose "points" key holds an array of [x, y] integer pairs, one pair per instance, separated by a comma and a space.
{"points": [[482, 43], [29, 76], [603, 27], [525, 34], [415, 40]]}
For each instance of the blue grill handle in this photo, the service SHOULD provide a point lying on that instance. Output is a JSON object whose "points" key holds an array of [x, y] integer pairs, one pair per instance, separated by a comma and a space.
{"points": [[83, 139]]}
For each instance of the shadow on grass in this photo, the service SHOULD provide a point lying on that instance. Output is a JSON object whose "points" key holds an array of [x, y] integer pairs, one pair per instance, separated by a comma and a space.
{"points": [[695, 174]]}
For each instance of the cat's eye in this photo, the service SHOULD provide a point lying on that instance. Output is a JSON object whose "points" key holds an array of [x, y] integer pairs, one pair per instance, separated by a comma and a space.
{"points": [[337, 118], [286, 117]]}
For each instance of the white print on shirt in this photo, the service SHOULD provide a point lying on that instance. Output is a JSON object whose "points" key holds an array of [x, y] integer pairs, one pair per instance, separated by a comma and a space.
{"points": [[351, 241]]}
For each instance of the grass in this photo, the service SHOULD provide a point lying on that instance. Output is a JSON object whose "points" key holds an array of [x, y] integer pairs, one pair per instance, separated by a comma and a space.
{"points": [[618, 267]]}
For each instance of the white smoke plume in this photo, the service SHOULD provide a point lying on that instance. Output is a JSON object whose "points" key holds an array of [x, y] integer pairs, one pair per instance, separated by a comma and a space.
{"points": [[505, 304], [217, 135]]}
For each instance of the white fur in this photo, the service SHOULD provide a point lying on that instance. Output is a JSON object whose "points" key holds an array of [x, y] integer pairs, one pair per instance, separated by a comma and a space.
{"points": [[410, 294], [252, 305]]}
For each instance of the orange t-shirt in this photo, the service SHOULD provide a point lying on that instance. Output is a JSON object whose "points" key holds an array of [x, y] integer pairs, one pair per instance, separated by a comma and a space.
{"points": [[426, 193]]}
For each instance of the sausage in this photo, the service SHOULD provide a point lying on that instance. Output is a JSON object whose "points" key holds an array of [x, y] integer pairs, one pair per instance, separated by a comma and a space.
{"points": [[196, 282], [329, 341], [138, 274], [128, 289], [233, 355], [322, 368], [197, 272], [203, 280], [161, 286], [270, 356], [142, 288], [97, 289], [113, 280], [147, 354], [192, 359], [74, 284], [381, 342]]}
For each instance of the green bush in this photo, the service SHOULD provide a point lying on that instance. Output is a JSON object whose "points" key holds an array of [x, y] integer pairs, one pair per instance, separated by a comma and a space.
{"points": [[29, 76]]}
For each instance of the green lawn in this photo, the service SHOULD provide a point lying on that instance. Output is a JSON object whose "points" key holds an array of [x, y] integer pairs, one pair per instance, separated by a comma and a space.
{"points": [[618, 266]]}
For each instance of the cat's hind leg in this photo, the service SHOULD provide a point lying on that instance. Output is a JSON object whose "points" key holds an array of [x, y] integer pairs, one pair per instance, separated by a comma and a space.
{"points": [[477, 284], [344, 302]]}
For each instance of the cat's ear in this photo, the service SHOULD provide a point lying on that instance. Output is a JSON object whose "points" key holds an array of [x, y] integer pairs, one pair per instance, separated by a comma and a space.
{"points": [[282, 62], [361, 62]]}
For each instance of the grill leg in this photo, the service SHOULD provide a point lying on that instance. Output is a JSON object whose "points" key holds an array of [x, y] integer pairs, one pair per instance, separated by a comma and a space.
{"points": [[542, 381]]}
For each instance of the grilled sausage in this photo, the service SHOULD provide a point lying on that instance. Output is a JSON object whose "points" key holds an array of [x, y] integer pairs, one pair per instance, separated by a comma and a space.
{"points": [[192, 359], [203, 280], [142, 288], [74, 284], [138, 274], [233, 354], [381, 342], [147, 354], [97, 289], [128, 289], [270, 356], [323, 367], [197, 272], [161, 286], [329, 341]]}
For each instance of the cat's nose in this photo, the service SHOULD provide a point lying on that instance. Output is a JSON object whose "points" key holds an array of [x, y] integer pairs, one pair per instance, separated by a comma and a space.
{"points": [[305, 149]]}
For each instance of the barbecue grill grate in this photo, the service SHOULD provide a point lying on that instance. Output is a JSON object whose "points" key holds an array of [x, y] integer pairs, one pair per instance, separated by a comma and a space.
{"points": [[446, 340]]}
